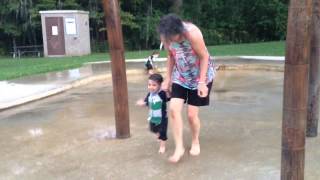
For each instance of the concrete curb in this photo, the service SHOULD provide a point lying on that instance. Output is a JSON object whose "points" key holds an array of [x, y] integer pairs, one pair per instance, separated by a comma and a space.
{"points": [[220, 58], [253, 67], [52, 92]]}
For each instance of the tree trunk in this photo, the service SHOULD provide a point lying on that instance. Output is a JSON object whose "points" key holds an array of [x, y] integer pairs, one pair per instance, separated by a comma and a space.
{"points": [[176, 7]]}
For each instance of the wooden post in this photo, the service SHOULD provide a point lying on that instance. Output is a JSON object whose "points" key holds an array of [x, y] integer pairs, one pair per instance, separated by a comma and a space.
{"points": [[119, 78], [314, 76], [295, 92]]}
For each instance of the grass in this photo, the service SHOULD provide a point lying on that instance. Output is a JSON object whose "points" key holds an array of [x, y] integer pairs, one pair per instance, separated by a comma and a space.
{"points": [[252, 49], [14, 68]]}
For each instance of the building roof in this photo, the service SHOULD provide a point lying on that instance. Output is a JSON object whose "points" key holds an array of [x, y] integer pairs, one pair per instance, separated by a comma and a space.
{"points": [[64, 12]]}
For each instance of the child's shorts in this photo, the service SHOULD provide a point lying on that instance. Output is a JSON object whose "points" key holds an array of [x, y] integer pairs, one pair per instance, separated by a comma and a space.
{"points": [[190, 96], [148, 66], [161, 129]]}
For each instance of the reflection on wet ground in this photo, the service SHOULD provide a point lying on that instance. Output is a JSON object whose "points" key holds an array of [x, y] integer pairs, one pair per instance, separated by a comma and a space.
{"points": [[71, 135]]}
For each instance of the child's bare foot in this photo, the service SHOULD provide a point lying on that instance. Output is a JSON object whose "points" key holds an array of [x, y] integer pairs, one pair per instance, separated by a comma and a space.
{"points": [[195, 150], [162, 148], [178, 153]]}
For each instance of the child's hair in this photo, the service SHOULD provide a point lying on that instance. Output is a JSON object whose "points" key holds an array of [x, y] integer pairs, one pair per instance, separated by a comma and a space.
{"points": [[156, 77]]}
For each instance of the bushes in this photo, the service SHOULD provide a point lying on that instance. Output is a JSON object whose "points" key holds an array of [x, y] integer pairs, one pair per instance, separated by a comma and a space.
{"points": [[222, 21]]}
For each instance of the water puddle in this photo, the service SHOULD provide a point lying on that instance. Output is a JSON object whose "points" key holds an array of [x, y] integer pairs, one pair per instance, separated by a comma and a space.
{"points": [[103, 134], [35, 132]]}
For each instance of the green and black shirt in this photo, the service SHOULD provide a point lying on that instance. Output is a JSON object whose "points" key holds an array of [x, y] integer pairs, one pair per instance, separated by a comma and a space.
{"points": [[157, 103]]}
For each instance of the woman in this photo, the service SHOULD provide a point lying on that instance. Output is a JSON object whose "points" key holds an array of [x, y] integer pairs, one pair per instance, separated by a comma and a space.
{"points": [[190, 71]]}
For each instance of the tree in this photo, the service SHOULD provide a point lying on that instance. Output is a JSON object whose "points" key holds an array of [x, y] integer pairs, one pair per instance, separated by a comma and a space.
{"points": [[221, 21]]}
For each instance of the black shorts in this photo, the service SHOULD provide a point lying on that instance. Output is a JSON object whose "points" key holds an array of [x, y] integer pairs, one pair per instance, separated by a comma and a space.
{"points": [[190, 96], [149, 66], [160, 128]]}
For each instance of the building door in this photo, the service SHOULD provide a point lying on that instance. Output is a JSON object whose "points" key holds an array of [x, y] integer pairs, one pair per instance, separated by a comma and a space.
{"points": [[55, 36]]}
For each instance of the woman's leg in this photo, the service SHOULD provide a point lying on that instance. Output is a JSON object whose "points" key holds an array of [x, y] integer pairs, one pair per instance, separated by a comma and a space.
{"points": [[194, 122], [175, 111]]}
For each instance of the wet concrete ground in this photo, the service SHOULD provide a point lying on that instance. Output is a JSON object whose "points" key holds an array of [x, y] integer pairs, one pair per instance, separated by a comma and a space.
{"points": [[71, 135], [31, 88]]}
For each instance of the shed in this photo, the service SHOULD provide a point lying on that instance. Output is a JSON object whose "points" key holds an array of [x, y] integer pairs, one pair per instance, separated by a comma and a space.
{"points": [[65, 33]]}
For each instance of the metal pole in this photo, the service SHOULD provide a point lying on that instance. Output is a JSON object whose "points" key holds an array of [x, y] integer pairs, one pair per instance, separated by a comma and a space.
{"points": [[295, 92], [314, 76], [119, 78]]}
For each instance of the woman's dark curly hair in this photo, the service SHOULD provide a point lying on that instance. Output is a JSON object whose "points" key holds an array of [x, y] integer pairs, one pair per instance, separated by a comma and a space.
{"points": [[170, 25]]}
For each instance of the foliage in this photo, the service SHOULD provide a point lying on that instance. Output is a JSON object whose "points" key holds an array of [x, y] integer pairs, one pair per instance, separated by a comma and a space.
{"points": [[221, 21]]}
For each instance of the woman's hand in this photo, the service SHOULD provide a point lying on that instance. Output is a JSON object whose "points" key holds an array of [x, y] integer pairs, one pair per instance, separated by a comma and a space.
{"points": [[140, 102], [202, 90], [165, 85]]}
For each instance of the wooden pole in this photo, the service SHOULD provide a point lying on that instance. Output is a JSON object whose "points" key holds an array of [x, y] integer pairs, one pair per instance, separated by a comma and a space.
{"points": [[295, 90], [119, 78], [314, 76]]}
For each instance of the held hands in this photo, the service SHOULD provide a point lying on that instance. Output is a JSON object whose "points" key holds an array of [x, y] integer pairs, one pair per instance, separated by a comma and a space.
{"points": [[165, 86], [202, 89]]}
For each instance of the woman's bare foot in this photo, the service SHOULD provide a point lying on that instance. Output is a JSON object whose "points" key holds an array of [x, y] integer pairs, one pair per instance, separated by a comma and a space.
{"points": [[162, 148], [195, 150], [178, 153]]}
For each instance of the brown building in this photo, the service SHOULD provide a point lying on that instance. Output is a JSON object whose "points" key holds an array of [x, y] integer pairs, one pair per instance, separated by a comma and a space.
{"points": [[65, 33]]}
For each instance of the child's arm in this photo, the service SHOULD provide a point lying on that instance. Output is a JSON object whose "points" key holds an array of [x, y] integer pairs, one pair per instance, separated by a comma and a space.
{"points": [[143, 102], [164, 96]]}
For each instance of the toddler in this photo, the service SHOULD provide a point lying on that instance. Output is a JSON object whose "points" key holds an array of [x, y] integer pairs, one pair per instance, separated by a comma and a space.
{"points": [[156, 101]]}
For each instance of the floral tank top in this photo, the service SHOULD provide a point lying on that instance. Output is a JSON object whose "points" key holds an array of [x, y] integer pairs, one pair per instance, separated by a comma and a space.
{"points": [[186, 70]]}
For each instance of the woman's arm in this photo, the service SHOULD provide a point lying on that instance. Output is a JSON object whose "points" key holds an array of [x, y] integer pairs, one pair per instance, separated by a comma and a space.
{"points": [[169, 64], [198, 45], [167, 80]]}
